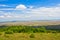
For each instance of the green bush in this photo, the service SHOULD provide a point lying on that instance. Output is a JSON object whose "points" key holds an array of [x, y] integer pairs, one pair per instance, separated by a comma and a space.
{"points": [[54, 32], [0, 33], [32, 36], [25, 29], [43, 29], [8, 32]]}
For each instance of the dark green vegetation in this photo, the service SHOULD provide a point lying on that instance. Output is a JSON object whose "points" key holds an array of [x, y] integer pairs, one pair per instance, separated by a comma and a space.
{"points": [[27, 29], [32, 36]]}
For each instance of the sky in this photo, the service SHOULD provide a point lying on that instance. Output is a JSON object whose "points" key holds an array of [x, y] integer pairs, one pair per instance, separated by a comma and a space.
{"points": [[27, 10]]}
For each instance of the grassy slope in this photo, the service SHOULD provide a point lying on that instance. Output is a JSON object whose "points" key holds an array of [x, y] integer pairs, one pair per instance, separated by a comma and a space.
{"points": [[25, 36]]}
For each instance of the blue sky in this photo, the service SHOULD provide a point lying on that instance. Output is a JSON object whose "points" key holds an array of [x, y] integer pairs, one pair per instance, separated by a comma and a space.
{"points": [[14, 3], [29, 10]]}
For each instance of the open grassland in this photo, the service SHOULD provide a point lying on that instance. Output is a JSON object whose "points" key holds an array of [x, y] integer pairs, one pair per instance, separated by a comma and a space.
{"points": [[26, 36]]}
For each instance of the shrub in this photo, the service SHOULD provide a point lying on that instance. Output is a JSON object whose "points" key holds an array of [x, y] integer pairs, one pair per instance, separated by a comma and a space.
{"points": [[8, 32], [49, 31], [6, 35], [32, 36], [54, 32], [0, 33], [43, 29]]}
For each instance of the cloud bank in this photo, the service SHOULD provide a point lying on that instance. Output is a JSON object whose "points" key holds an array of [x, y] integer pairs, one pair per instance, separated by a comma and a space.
{"points": [[22, 12]]}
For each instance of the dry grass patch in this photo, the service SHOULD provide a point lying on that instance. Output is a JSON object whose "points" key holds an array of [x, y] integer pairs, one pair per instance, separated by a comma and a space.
{"points": [[26, 36]]}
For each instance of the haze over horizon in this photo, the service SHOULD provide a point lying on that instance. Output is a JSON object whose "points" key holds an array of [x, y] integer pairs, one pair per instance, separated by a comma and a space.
{"points": [[11, 10]]}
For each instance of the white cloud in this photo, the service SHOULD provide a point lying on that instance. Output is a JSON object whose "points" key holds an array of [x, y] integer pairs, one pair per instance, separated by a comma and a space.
{"points": [[31, 7], [3, 5], [7, 16], [41, 13], [2, 17], [7, 9], [21, 7], [44, 13]]}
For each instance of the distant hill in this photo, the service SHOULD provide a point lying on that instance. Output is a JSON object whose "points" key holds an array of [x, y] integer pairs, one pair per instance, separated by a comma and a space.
{"points": [[34, 23]]}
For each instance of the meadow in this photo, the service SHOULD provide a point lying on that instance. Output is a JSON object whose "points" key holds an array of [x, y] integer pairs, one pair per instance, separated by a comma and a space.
{"points": [[22, 32]]}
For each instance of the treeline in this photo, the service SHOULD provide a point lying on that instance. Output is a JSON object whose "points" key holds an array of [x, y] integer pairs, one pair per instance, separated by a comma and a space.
{"points": [[26, 29]]}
